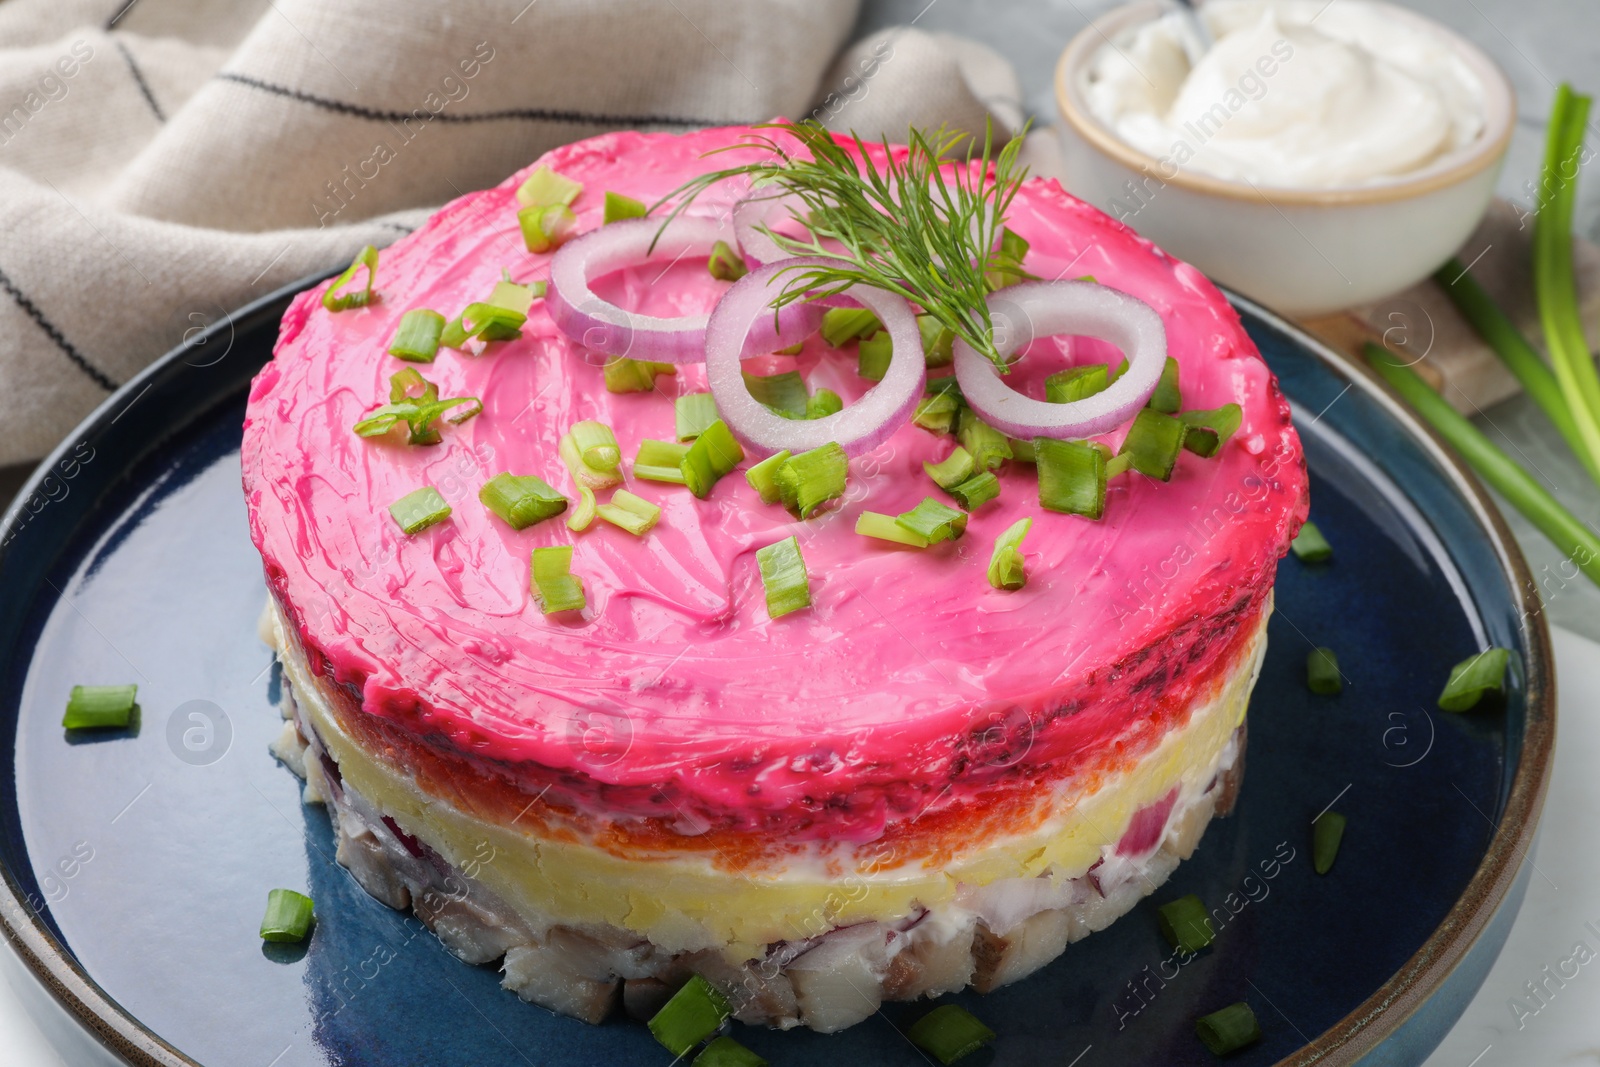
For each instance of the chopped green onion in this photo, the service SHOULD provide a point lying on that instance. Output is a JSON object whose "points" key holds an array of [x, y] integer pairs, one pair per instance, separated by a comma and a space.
{"points": [[1006, 266], [583, 472], [823, 402], [989, 447], [511, 296], [976, 491], [491, 322], [811, 479], [790, 350], [1310, 546], [521, 500], [938, 342], [1228, 1030], [1006, 564], [545, 226], [660, 461], [694, 1013], [940, 405], [1473, 677], [1202, 441], [692, 413], [633, 513], [873, 355], [1575, 540], [840, 325], [1167, 398], [1117, 464], [783, 574], [1222, 423], [714, 453], [624, 375], [288, 916], [935, 521], [726, 1052], [93, 707], [582, 515], [1153, 443], [1322, 672], [597, 445], [1022, 450], [545, 187], [417, 338], [1072, 477], [952, 470], [784, 393], [619, 207], [1076, 383], [1327, 832], [888, 528], [1186, 924], [557, 588], [334, 300], [949, 1032], [763, 477], [725, 264], [419, 509]]}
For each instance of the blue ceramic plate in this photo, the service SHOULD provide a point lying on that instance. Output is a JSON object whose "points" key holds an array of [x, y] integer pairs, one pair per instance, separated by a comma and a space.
{"points": [[137, 865]]}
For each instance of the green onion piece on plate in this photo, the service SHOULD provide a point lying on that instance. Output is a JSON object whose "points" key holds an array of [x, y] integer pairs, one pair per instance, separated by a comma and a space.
{"points": [[1473, 677], [491, 322], [1223, 421], [288, 916], [1072, 477], [694, 1013], [1022, 450], [619, 207], [544, 227], [949, 1032], [1076, 383], [976, 491], [1186, 924], [938, 342], [660, 461], [1202, 441], [334, 300], [416, 340], [583, 515], [763, 477], [512, 296], [692, 413], [811, 479], [1167, 398], [1327, 832], [1229, 1029], [95, 707], [624, 375], [1005, 267], [714, 453], [583, 473], [888, 528], [840, 325], [952, 470], [1153, 443], [726, 1052], [521, 500], [783, 574], [935, 521], [1310, 546], [1322, 672], [823, 402], [597, 445], [784, 393], [633, 513], [989, 447], [419, 509], [725, 264], [557, 588], [940, 405], [1006, 563], [873, 355], [545, 187]]}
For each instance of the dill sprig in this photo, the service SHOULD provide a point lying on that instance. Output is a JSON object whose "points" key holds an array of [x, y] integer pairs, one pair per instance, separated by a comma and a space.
{"points": [[910, 228]]}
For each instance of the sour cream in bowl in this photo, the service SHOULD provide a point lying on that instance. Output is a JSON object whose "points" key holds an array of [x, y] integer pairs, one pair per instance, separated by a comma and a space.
{"points": [[1316, 157]]}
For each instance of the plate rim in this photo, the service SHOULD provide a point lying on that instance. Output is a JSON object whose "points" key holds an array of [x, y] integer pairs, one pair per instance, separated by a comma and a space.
{"points": [[1378, 1017]]}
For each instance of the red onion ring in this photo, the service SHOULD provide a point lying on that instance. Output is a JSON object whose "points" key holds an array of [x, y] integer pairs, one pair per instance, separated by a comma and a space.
{"points": [[602, 326], [1020, 314], [861, 426]]}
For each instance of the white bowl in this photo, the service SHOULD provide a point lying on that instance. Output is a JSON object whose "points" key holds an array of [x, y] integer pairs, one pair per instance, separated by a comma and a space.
{"points": [[1301, 251]]}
